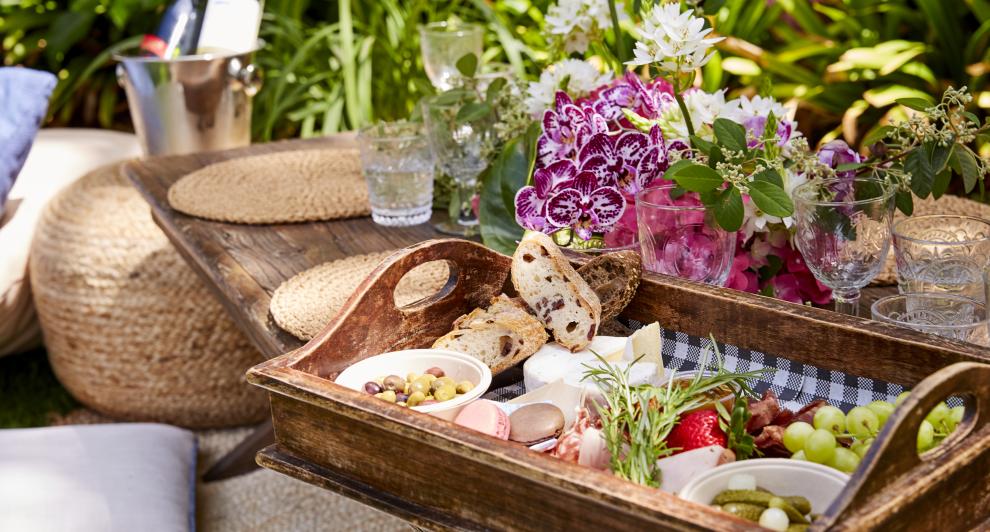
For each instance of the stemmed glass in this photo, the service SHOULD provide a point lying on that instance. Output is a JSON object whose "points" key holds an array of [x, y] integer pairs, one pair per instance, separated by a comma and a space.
{"points": [[678, 237], [843, 233], [458, 145], [442, 44]]}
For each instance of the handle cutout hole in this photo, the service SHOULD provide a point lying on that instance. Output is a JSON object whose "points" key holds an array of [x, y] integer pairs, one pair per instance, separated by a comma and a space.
{"points": [[428, 282]]}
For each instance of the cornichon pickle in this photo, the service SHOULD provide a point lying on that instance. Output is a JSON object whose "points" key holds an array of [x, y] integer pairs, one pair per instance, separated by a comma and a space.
{"points": [[793, 515], [746, 511], [760, 498], [801, 504], [797, 527]]}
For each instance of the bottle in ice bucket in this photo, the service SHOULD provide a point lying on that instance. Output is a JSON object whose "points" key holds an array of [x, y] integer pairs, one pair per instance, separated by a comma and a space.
{"points": [[178, 32], [230, 26]]}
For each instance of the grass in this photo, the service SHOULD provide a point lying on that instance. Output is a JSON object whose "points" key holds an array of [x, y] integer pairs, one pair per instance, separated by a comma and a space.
{"points": [[29, 391]]}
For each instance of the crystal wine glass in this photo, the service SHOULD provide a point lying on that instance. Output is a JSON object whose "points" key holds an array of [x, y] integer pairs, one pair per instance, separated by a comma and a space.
{"points": [[442, 44], [458, 145], [843, 233]]}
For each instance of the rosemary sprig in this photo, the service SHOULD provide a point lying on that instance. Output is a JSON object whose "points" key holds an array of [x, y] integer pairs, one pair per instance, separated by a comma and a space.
{"points": [[636, 420]]}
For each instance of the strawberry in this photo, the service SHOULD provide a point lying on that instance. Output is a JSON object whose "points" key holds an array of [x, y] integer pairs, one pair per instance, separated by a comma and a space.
{"points": [[696, 429]]}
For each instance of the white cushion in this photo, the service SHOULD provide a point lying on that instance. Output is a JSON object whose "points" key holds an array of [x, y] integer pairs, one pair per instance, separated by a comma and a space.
{"points": [[81, 478], [58, 157]]}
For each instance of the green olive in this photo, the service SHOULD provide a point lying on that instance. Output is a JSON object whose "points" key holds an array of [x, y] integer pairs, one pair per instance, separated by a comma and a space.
{"points": [[415, 398], [419, 385], [429, 377], [412, 376], [387, 395], [464, 386], [442, 381], [445, 393], [395, 383]]}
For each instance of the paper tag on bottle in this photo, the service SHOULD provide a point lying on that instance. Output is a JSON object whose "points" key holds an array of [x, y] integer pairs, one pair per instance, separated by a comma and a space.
{"points": [[230, 26]]}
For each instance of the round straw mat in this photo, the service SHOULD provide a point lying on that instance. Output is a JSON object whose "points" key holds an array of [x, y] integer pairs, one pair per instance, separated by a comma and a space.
{"points": [[306, 303], [292, 186], [130, 330], [947, 204]]}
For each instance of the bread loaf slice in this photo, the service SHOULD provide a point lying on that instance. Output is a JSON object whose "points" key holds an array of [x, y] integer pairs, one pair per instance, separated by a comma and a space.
{"points": [[501, 336], [615, 278], [561, 299]]}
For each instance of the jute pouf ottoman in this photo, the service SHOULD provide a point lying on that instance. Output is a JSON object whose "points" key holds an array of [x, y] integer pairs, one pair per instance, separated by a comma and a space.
{"points": [[130, 330]]}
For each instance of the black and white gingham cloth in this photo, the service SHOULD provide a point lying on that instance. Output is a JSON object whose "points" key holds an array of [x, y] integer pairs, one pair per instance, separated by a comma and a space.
{"points": [[795, 383]]}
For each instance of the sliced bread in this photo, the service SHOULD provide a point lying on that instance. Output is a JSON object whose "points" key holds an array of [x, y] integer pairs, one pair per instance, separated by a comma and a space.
{"points": [[556, 293], [615, 278], [501, 336]]}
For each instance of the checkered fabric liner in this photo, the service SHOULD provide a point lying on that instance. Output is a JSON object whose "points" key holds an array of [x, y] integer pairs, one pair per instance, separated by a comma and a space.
{"points": [[796, 384]]}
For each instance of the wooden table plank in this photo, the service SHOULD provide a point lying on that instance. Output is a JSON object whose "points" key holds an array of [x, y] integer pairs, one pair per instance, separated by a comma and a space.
{"points": [[244, 264]]}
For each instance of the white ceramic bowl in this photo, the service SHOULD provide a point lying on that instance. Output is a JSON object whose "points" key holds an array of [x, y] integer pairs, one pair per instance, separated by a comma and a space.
{"points": [[783, 476], [457, 366]]}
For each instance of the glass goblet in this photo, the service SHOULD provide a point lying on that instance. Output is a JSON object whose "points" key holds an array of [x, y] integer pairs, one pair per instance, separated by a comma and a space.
{"points": [[942, 253], [843, 233], [948, 315], [678, 237], [442, 44], [459, 147]]}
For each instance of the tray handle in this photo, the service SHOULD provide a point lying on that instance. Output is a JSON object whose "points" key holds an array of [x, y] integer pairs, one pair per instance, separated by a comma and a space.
{"points": [[894, 453], [370, 323]]}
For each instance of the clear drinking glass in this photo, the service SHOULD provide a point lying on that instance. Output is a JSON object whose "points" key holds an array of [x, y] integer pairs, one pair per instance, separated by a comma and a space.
{"points": [[843, 233], [677, 237], [442, 44], [398, 167], [942, 253], [951, 316], [459, 149], [489, 72]]}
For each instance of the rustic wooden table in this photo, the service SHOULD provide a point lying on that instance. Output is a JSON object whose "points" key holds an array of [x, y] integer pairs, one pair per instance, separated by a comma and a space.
{"points": [[243, 264]]}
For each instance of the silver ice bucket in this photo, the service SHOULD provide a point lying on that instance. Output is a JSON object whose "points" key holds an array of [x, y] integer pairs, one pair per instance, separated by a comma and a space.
{"points": [[190, 103]]}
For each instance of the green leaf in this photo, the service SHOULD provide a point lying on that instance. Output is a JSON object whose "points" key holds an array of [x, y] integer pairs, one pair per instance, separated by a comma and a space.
{"points": [[938, 155], [905, 202], [922, 176], [451, 97], [918, 104], [876, 135], [701, 144], [941, 183], [494, 88], [771, 199], [715, 156], [467, 65], [964, 163], [696, 178], [730, 134], [676, 167], [770, 176], [729, 209], [850, 166], [510, 170], [473, 111]]}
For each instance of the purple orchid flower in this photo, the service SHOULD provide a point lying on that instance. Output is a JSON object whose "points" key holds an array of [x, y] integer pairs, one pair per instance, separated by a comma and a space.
{"points": [[644, 159], [757, 125], [629, 92], [566, 128], [586, 207], [836, 153], [531, 201]]}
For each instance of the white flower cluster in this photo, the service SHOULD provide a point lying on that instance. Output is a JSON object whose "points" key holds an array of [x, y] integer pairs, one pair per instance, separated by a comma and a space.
{"points": [[674, 41], [578, 22], [582, 77]]}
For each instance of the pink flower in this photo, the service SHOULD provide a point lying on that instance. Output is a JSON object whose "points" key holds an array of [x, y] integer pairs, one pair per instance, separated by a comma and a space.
{"points": [[740, 276]]}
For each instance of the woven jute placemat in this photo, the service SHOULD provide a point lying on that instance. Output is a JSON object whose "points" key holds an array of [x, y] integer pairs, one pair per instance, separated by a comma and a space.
{"points": [[947, 204], [285, 187], [306, 303]]}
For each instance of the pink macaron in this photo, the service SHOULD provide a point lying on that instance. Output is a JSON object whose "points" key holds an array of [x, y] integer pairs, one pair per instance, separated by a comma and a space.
{"points": [[484, 416]]}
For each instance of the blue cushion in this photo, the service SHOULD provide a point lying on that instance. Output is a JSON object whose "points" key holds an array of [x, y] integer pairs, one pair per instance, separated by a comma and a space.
{"points": [[24, 100]]}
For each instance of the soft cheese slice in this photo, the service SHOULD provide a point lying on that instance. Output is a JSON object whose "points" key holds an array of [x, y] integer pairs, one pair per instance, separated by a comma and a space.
{"points": [[553, 361], [679, 469], [648, 344]]}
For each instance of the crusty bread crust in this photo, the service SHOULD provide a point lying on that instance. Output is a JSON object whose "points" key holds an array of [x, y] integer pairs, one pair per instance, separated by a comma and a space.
{"points": [[554, 290], [501, 336], [615, 278]]}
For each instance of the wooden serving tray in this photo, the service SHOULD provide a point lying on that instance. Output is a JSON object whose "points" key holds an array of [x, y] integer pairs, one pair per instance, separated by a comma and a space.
{"points": [[438, 475]]}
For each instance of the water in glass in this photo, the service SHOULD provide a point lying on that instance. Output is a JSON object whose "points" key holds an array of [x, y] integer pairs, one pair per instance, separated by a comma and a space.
{"points": [[398, 168]]}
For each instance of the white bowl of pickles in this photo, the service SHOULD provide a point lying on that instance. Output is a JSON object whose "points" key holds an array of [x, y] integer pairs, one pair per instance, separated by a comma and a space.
{"points": [[433, 381], [750, 487]]}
